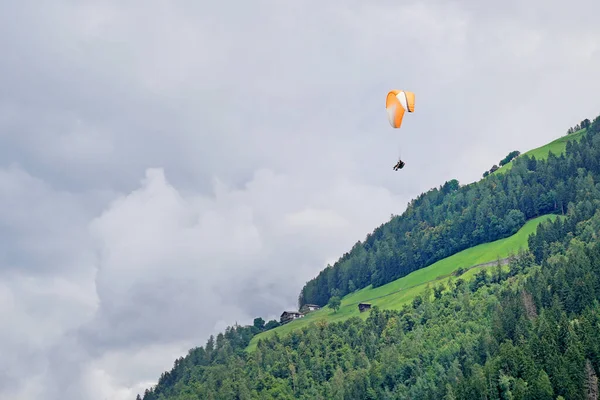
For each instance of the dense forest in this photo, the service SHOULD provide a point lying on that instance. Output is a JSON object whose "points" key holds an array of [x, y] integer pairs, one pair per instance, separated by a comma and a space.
{"points": [[531, 331], [452, 218]]}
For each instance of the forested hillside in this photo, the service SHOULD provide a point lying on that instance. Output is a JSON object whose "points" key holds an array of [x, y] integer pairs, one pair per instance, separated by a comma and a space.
{"points": [[533, 333], [394, 295], [451, 218], [530, 333]]}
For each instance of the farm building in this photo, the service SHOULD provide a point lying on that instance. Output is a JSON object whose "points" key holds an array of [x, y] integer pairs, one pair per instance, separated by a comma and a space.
{"points": [[309, 307], [364, 306], [288, 316]]}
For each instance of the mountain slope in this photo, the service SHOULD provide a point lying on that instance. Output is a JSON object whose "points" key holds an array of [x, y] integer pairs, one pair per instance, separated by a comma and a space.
{"points": [[395, 294], [527, 331], [451, 218], [557, 147]]}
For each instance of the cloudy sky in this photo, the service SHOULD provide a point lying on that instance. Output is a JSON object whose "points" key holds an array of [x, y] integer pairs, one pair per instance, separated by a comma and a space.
{"points": [[169, 168]]}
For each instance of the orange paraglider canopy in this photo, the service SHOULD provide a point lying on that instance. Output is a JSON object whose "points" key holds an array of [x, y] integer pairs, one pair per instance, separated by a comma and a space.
{"points": [[397, 103]]}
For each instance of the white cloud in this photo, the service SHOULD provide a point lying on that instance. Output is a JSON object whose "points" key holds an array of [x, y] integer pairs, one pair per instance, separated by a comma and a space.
{"points": [[263, 150]]}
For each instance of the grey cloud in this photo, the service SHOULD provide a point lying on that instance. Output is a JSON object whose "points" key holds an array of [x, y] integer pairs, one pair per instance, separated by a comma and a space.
{"points": [[42, 229], [185, 261]]}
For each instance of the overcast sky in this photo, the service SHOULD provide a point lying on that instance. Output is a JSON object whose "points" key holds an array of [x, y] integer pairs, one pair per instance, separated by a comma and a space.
{"points": [[169, 168]]}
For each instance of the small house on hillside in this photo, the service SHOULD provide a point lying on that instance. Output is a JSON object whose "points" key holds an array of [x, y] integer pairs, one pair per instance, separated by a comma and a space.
{"points": [[309, 307], [288, 316], [363, 307]]}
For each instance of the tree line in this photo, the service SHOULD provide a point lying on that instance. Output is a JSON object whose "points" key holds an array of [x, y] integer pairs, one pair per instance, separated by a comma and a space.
{"points": [[509, 157], [582, 125]]}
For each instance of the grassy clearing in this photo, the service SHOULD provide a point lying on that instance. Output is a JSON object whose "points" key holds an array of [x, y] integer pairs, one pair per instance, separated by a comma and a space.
{"points": [[401, 291], [557, 147]]}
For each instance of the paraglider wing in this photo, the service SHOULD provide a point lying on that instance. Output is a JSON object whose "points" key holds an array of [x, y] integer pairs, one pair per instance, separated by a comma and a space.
{"points": [[396, 104]]}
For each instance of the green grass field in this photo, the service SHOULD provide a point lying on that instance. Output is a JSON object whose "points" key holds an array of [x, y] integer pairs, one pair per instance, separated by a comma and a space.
{"points": [[557, 147], [401, 291]]}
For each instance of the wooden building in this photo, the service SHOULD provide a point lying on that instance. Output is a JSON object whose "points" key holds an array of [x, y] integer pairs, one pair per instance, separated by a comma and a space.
{"points": [[364, 307], [309, 307], [288, 316]]}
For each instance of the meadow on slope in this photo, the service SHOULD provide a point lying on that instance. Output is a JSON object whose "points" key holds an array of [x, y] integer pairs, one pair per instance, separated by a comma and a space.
{"points": [[557, 147], [403, 290]]}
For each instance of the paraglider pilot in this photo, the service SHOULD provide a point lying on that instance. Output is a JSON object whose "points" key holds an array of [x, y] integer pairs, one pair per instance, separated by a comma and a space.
{"points": [[399, 165]]}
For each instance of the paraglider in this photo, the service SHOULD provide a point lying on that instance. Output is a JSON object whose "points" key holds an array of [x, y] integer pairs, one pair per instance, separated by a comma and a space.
{"points": [[399, 165], [397, 103]]}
